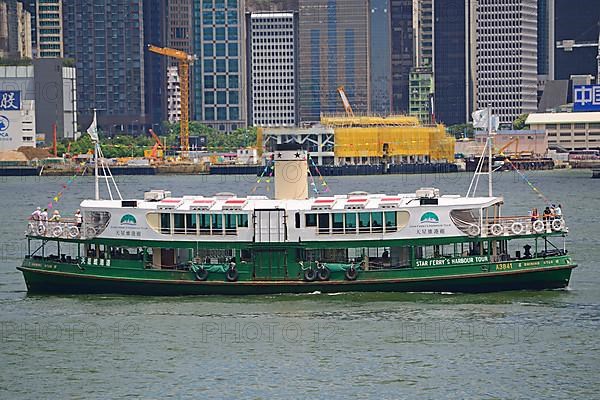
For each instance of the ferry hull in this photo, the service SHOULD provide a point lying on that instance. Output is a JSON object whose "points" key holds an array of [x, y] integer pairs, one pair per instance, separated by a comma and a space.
{"points": [[59, 282]]}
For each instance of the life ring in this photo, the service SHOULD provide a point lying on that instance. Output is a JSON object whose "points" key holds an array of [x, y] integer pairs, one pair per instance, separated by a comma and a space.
{"points": [[310, 275], [202, 274], [473, 230], [232, 275], [90, 231], [538, 226], [57, 231], [31, 228], [41, 229], [496, 229], [323, 274], [73, 232], [351, 273], [558, 225], [517, 228]]}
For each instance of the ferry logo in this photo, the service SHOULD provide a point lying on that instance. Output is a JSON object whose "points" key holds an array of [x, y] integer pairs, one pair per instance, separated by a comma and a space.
{"points": [[128, 219], [430, 218], [4, 123]]}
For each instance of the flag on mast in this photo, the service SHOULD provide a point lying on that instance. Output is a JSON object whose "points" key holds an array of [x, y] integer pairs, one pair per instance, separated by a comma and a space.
{"points": [[481, 119], [92, 130]]}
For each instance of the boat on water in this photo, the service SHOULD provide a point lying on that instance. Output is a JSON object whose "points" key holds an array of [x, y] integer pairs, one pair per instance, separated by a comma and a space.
{"points": [[224, 244]]}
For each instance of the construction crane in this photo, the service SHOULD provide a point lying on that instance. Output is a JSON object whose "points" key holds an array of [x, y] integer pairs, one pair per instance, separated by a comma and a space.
{"points": [[347, 105], [184, 60], [153, 154], [569, 45]]}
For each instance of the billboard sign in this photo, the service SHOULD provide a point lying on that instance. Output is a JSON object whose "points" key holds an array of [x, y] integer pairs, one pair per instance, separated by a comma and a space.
{"points": [[10, 100], [586, 98]]}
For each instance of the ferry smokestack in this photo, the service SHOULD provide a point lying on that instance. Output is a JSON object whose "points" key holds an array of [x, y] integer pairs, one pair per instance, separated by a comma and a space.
{"points": [[291, 172]]}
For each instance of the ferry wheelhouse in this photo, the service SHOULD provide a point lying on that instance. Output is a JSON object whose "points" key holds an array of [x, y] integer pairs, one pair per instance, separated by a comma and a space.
{"points": [[228, 244]]}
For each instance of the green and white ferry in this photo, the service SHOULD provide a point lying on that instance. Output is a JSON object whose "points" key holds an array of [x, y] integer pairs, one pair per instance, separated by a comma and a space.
{"points": [[226, 244]]}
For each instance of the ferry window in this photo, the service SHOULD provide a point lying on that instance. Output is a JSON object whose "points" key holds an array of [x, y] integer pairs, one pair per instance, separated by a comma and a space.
{"points": [[338, 223], [323, 223], [217, 224], [165, 223], [190, 224], [377, 221], [179, 223], [204, 221], [364, 222], [390, 221], [242, 220], [311, 220], [350, 222], [230, 224], [297, 219]]}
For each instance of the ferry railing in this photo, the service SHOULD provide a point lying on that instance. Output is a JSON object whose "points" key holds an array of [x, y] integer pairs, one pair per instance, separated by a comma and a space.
{"points": [[522, 225], [66, 228]]}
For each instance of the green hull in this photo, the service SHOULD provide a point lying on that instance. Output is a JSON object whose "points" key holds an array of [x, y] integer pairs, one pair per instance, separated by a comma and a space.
{"points": [[59, 280]]}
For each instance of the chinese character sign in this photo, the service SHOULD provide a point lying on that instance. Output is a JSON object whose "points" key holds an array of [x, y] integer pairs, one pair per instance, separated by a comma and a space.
{"points": [[586, 98], [10, 100]]}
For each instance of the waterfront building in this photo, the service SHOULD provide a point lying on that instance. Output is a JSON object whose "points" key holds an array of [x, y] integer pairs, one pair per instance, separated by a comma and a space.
{"points": [[156, 17], [272, 66], [106, 39], [333, 52], [545, 32], [49, 29], [15, 30], [219, 78], [17, 107], [507, 57], [569, 130]]}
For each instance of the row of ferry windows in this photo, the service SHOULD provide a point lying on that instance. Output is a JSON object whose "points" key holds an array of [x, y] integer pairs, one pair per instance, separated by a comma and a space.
{"points": [[366, 222], [203, 224]]}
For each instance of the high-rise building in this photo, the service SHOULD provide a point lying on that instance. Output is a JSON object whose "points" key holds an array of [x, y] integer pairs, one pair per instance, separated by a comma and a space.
{"points": [[173, 95], [15, 30], [423, 28], [106, 39], [219, 86], [402, 53], [578, 21], [380, 56], [272, 50], [49, 29], [507, 57], [333, 52], [452, 60], [155, 66]]}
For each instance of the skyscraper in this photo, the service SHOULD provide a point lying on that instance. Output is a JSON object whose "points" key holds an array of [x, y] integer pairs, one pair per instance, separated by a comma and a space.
{"points": [[402, 52], [272, 50], [49, 29], [507, 57], [155, 66], [380, 56], [106, 38], [577, 20], [15, 30], [219, 86], [333, 52]]}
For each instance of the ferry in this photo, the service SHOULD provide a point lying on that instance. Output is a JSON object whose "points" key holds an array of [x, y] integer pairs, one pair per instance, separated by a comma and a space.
{"points": [[225, 244]]}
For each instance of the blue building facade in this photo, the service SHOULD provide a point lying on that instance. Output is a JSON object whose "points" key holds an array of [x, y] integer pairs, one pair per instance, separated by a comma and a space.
{"points": [[218, 79]]}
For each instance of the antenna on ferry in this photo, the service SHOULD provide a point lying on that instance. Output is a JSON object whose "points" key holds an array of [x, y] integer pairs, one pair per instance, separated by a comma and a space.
{"points": [[484, 119], [92, 130]]}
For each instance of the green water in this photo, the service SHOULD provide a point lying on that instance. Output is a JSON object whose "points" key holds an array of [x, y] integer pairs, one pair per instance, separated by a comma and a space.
{"points": [[384, 346]]}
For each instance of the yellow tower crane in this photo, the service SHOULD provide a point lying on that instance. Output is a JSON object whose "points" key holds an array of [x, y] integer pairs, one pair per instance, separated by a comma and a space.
{"points": [[184, 60]]}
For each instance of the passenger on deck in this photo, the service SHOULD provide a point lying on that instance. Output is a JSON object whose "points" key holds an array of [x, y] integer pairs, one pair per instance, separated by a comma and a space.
{"points": [[558, 212], [35, 216], [44, 216], [55, 216], [78, 219], [547, 214], [534, 215], [527, 253], [552, 211]]}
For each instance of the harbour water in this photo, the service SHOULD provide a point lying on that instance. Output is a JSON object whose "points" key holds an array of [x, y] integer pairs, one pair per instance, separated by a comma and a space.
{"points": [[542, 344]]}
